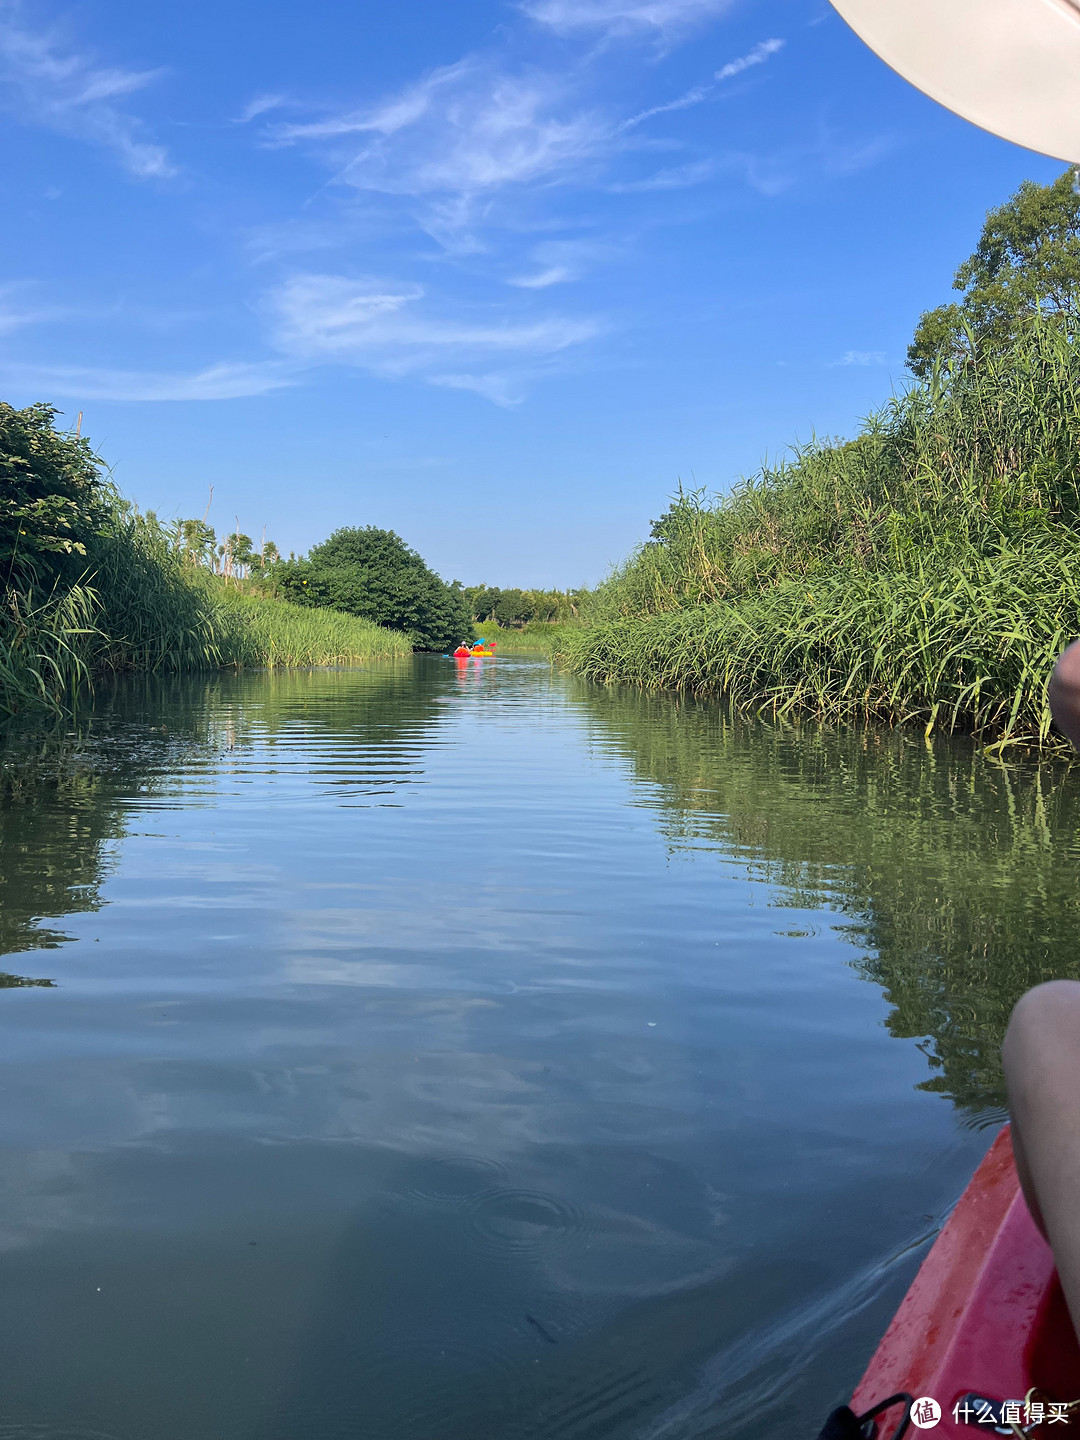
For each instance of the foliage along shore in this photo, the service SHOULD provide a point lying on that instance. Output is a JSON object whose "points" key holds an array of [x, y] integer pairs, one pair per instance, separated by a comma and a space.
{"points": [[535, 637], [93, 587], [927, 571]]}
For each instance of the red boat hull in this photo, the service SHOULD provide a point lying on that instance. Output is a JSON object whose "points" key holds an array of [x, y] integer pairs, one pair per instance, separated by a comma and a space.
{"points": [[984, 1315]]}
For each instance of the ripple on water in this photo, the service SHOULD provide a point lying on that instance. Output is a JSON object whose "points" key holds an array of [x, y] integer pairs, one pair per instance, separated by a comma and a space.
{"points": [[512, 1223], [436, 1391], [451, 1180], [13, 1430], [597, 1405]]}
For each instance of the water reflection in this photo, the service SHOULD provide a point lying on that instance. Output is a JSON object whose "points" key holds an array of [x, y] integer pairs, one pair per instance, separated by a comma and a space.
{"points": [[55, 820], [20, 982], [68, 792], [957, 873], [440, 1054]]}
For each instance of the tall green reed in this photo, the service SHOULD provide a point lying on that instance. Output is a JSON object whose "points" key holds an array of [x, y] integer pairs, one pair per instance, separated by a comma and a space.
{"points": [[924, 572], [137, 607], [271, 633], [44, 648]]}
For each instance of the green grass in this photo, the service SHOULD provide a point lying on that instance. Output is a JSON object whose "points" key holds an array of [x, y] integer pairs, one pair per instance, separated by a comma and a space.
{"points": [[927, 572], [139, 608], [537, 637], [45, 644], [272, 633]]}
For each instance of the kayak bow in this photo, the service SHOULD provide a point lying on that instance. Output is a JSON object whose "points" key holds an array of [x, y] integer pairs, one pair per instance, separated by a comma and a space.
{"points": [[985, 1320]]}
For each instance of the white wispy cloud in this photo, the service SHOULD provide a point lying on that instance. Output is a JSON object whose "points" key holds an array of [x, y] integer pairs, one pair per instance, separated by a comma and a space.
{"points": [[683, 102], [18, 308], [320, 315], [223, 381], [391, 330], [675, 177], [861, 357], [827, 156], [623, 17], [693, 173], [387, 328], [553, 275], [700, 93], [556, 262], [757, 56], [500, 389], [43, 83], [456, 137], [464, 144], [260, 105]]}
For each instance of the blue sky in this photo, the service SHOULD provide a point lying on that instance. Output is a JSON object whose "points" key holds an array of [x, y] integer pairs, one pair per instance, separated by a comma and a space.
{"points": [[496, 275]]}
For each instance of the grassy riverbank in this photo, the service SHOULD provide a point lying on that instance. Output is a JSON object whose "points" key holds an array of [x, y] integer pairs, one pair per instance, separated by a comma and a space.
{"points": [[118, 597], [537, 637], [52, 651], [268, 633], [927, 571]]}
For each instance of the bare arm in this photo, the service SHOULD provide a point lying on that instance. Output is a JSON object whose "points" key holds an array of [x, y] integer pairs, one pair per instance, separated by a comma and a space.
{"points": [[1064, 694]]}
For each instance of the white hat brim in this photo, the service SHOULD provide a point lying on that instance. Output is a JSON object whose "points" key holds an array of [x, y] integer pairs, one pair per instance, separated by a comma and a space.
{"points": [[1010, 66]]}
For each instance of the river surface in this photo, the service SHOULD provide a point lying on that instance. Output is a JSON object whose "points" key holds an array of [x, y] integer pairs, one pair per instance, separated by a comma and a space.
{"points": [[439, 1052]]}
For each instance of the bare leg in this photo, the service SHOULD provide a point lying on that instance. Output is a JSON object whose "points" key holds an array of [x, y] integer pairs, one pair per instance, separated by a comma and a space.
{"points": [[1042, 1071], [1042, 1068], [1063, 692]]}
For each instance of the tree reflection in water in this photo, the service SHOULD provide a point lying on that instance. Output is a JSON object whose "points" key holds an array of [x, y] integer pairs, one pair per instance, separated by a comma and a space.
{"points": [[956, 874], [68, 792]]}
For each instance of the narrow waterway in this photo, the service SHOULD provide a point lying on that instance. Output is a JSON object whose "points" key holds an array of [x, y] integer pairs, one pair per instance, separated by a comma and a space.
{"points": [[439, 1052]]}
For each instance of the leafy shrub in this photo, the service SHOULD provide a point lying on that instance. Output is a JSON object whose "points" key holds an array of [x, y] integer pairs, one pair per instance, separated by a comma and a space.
{"points": [[53, 499], [374, 574]]}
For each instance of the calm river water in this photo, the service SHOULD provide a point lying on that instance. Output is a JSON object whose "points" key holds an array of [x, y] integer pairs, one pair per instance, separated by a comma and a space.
{"points": [[444, 1053]]}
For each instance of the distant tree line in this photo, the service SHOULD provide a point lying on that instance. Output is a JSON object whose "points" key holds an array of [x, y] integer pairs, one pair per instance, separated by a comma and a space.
{"points": [[234, 557], [372, 573], [359, 570], [514, 607]]}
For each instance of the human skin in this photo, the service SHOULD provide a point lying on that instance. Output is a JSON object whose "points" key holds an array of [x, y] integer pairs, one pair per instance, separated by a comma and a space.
{"points": [[1064, 694], [1042, 1071], [1041, 1055]]}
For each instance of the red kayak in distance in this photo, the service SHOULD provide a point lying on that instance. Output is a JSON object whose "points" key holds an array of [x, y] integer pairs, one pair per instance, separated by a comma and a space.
{"points": [[983, 1331]]}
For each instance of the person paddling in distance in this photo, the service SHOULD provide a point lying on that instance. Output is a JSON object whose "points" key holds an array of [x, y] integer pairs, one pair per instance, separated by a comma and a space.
{"points": [[1041, 1054]]}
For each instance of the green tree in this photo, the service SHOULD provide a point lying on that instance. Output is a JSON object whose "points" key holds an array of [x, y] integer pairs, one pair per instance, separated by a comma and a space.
{"points": [[519, 606], [513, 608], [195, 541], [236, 555], [373, 573], [53, 498], [481, 601], [243, 554], [553, 605], [1027, 263]]}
